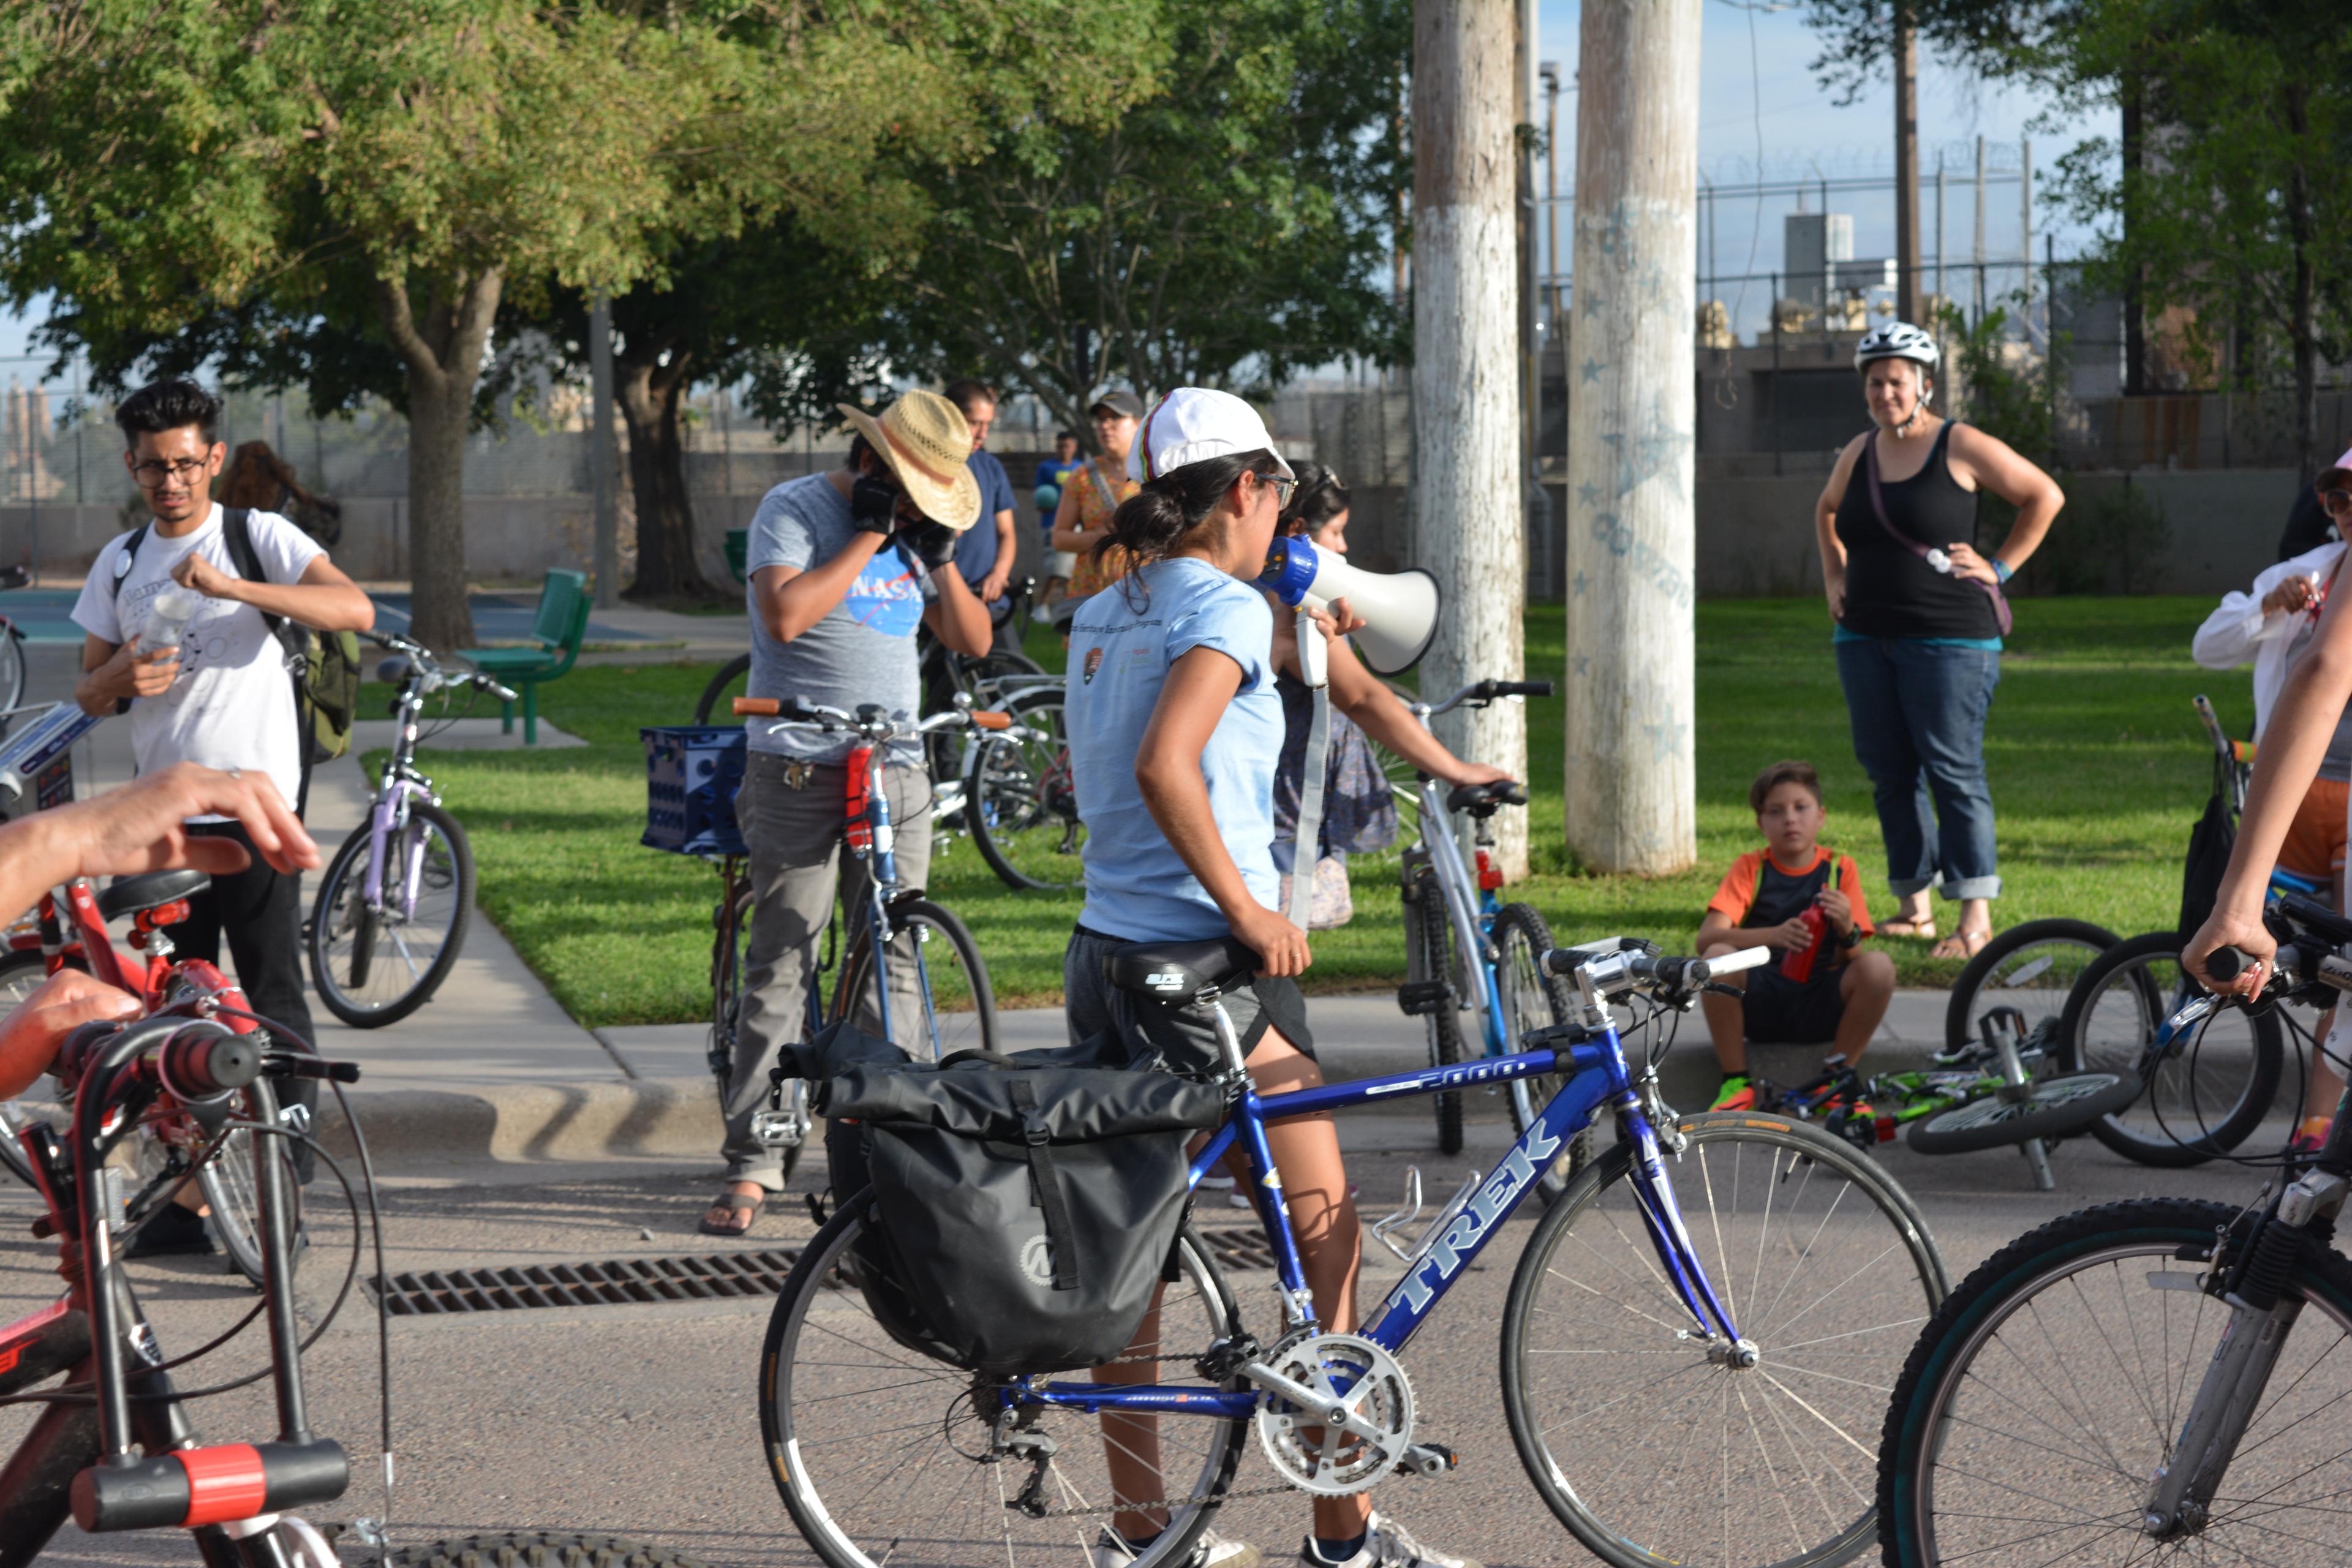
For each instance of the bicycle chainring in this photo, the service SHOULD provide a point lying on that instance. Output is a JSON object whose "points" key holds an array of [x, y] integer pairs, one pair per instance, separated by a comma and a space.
{"points": [[1355, 1374]]}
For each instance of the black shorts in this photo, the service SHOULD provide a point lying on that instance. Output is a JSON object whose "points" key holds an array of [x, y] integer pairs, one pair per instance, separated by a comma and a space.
{"points": [[1784, 1012], [1187, 1036]]}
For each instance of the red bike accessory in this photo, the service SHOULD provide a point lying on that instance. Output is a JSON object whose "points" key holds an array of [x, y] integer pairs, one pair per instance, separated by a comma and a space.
{"points": [[189, 1487], [853, 799], [1489, 878], [1885, 1127], [1797, 963], [23, 1333]]}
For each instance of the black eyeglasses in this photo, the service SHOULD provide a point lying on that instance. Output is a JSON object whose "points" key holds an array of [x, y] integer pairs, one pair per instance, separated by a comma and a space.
{"points": [[151, 474]]}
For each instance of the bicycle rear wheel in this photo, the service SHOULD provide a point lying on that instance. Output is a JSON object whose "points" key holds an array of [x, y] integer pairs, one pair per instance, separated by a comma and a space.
{"points": [[1650, 1452], [2054, 1382], [717, 703], [12, 672], [373, 966], [1430, 954], [1019, 805], [2031, 967], [2055, 1107], [955, 1008], [2205, 1093], [883, 1456]]}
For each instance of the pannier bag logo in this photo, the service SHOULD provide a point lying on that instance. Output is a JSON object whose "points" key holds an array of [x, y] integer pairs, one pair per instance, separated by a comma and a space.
{"points": [[1166, 980], [1037, 1261]]}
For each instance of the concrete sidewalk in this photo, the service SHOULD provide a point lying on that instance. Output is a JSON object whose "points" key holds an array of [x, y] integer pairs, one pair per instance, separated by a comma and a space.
{"points": [[492, 1066]]}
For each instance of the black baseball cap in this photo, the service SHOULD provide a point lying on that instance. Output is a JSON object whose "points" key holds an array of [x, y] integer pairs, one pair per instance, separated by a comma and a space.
{"points": [[1125, 403]]}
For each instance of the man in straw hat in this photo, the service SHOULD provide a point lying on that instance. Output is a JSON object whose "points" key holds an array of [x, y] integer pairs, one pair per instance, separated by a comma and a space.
{"points": [[842, 568]]}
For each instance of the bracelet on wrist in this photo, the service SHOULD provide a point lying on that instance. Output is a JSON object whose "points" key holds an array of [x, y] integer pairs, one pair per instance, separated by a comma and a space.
{"points": [[2002, 569]]}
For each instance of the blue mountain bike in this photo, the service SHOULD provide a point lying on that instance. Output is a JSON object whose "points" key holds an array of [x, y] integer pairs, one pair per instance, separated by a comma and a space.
{"points": [[1694, 1368]]}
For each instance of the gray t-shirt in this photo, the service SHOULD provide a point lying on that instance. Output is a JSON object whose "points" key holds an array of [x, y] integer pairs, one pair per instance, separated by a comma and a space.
{"points": [[864, 648]]}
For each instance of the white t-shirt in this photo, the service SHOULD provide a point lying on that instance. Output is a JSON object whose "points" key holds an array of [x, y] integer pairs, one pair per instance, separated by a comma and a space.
{"points": [[233, 704]]}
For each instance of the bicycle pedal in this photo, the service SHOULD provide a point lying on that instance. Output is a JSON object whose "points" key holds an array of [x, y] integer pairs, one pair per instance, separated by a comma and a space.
{"points": [[1428, 1460], [1417, 998]]}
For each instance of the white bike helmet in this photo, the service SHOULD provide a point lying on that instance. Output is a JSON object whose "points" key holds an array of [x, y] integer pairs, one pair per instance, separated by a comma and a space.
{"points": [[1897, 340]]}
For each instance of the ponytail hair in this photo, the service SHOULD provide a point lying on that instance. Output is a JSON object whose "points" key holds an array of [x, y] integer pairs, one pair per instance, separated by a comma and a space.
{"points": [[1151, 524], [1320, 498]]}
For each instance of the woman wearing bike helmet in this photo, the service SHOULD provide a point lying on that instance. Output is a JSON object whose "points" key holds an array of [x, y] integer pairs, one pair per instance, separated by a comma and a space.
{"points": [[1175, 730], [1920, 617]]}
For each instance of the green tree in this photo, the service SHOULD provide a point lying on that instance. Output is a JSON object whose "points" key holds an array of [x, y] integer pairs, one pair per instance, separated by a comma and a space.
{"points": [[1226, 212]]}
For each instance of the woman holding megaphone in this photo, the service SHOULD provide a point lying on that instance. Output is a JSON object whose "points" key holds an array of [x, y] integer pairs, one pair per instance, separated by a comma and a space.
{"points": [[1359, 812], [1174, 726]]}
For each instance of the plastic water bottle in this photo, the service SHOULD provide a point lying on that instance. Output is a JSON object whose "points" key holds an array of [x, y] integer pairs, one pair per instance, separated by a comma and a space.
{"points": [[1797, 963], [168, 614]]}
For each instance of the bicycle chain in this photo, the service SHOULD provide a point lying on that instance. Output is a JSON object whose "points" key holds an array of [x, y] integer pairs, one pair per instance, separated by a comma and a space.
{"points": [[1164, 1502]]}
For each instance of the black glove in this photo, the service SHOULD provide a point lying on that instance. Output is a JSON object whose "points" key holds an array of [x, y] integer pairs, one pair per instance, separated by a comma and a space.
{"points": [[933, 544], [874, 505]]}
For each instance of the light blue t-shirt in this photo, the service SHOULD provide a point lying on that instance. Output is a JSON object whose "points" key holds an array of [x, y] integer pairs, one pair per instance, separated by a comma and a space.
{"points": [[1137, 888], [862, 651]]}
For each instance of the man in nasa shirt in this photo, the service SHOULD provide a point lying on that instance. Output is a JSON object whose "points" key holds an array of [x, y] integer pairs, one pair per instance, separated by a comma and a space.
{"points": [[842, 568]]}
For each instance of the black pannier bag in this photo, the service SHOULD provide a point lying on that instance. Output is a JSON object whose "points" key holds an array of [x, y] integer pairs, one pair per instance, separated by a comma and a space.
{"points": [[2209, 844], [1024, 1206]]}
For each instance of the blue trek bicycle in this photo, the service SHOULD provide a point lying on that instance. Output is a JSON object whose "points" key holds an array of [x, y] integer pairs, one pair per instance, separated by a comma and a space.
{"points": [[1688, 1380]]}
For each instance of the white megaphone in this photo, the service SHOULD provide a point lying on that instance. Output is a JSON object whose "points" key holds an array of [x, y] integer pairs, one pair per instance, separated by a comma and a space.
{"points": [[1398, 608]]}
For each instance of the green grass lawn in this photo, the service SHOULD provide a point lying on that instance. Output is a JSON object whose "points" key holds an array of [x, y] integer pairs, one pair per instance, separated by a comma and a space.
{"points": [[2098, 769]]}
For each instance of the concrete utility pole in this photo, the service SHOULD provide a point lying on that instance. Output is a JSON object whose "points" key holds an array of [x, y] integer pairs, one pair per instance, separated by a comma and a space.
{"points": [[602, 454], [1469, 503], [1907, 167], [1630, 778]]}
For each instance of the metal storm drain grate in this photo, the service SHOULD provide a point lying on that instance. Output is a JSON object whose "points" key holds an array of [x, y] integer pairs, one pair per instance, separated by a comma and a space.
{"points": [[1238, 1249], [697, 1276]]}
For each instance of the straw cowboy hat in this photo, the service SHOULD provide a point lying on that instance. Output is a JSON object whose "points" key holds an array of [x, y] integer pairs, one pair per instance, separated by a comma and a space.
{"points": [[925, 440]]}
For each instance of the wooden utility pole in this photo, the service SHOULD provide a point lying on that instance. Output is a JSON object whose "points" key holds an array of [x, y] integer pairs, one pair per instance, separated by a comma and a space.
{"points": [[1631, 780], [1907, 167], [1469, 503]]}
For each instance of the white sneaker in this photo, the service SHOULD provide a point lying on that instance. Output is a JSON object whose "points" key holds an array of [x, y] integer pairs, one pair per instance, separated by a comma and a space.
{"points": [[1212, 1551], [1386, 1545], [1042, 615]]}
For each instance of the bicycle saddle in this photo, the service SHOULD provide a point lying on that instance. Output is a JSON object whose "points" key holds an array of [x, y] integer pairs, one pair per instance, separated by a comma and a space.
{"points": [[1177, 972], [1480, 800], [128, 895]]}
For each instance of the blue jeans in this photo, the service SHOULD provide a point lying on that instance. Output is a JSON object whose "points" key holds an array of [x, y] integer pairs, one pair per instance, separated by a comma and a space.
{"points": [[1919, 715]]}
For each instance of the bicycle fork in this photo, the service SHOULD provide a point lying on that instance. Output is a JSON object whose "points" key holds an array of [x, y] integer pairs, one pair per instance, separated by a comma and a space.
{"points": [[2261, 1313]]}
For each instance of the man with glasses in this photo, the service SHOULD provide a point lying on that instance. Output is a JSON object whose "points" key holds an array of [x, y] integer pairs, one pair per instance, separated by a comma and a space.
{"points": [[2272, 625], [181, 618]]}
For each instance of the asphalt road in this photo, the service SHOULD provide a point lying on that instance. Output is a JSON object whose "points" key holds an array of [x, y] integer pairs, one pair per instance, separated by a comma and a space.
{"points": [[639, 1420]]}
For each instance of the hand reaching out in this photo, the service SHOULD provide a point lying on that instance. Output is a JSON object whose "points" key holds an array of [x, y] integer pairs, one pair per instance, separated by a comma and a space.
{"points": [[31, 1033]]}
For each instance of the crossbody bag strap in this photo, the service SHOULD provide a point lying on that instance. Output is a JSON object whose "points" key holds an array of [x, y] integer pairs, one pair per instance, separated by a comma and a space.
{"points": [[292, 639], [1928, 552], [1063, 1244]]}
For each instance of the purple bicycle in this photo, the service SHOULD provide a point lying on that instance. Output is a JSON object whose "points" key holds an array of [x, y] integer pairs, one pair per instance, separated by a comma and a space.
{"points": [[393, 906]]}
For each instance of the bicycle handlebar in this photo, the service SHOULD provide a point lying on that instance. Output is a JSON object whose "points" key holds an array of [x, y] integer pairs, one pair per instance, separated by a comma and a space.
{"points": [[796, 711], [196, 1058], [429, 668], [1617, 973], [1477, 694]]}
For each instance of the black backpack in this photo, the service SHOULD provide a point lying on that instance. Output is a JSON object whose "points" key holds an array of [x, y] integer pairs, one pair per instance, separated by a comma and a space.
{"points": [[2209, 844], [325, 666], [1021, 1209]]}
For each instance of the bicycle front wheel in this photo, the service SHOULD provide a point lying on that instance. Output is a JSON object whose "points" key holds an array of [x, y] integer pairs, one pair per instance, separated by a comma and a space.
{"points": [[12, 671], [940, 1002], [2055, 1381], [1651, 1451], [885, 1456], [2206, 1092], [717, 703], [2051, 1108], [21, 975], [375, 965], [1532, 999], [1019, 804]]}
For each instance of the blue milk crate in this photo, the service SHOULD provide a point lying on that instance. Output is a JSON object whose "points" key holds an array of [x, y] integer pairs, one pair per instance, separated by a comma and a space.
{"points": [[692, 772]]}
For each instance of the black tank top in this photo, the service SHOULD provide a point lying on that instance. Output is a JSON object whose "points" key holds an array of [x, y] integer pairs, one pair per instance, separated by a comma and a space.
{"points": [[1890, 592]]}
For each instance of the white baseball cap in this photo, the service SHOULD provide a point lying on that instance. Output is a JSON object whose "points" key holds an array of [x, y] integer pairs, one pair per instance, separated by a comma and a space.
{"points": [[2342, 470], [1192, 423]]}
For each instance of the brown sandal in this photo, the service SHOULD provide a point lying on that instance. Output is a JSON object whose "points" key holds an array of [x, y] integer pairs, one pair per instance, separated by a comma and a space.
{"points": [[734, 1204], [1969, 943], [1899, 926]]}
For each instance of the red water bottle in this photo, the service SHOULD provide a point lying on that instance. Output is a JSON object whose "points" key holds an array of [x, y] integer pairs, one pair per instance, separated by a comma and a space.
{"points": [[1797, 963]]}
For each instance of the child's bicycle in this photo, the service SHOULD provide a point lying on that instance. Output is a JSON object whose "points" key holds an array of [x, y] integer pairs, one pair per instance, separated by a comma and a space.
{"points": [[2000, 1092], [1474, 973], [1703, 1391]]}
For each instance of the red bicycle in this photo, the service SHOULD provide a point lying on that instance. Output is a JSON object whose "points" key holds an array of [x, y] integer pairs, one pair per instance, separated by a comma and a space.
{"points": [[181, 1142]]}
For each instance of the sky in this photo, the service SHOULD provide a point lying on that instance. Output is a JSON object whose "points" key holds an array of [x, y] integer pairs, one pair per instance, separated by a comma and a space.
{"points": [[1761, 106]]}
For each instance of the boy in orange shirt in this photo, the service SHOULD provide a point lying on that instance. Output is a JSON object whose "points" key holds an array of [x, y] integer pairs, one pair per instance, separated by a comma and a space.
{"points": [[1762, 903]]}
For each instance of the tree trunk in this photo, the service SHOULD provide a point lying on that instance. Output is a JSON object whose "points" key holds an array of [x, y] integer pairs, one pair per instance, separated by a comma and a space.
{"points": [[1907, 167], [650, 395], [2135, 109], [2304, 329], [442, 353], [1469, 505], [1631, 779]]}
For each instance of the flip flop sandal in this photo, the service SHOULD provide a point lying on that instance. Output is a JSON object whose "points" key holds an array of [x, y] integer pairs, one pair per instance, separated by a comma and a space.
{"points": [[1924, 930], [734, 1204], [1971, 943]]}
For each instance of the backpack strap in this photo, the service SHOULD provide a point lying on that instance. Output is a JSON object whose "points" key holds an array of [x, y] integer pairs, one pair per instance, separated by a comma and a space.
{"points": [[1049, 1185], [130, 553], [237, 532]]}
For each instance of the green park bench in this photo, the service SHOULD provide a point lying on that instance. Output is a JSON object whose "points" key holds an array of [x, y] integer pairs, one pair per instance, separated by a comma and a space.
{"points": [[560, 625]]}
